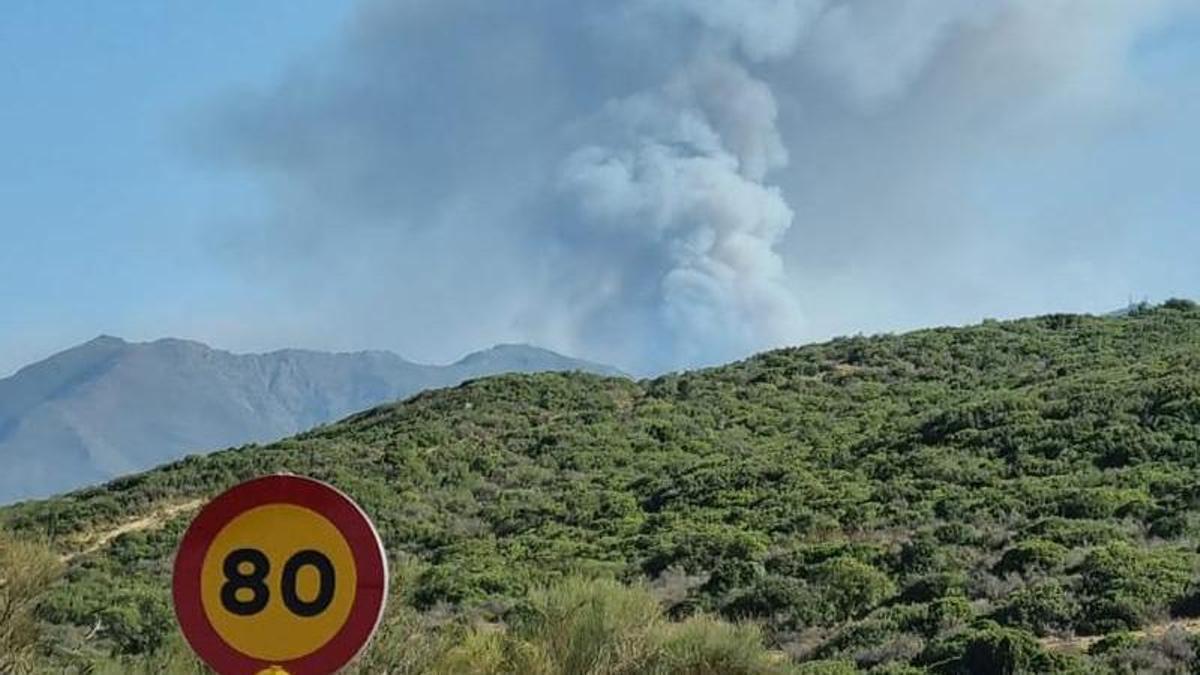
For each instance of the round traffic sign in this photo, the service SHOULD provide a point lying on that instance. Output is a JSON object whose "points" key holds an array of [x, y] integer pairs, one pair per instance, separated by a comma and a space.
{"points": [[283, 573]]}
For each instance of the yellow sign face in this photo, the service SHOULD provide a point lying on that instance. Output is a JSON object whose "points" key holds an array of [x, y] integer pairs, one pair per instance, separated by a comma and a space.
{"points": [[278, 582]]}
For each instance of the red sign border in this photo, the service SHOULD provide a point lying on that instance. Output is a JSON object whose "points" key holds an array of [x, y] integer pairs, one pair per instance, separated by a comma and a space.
{"points": [[354, 524]]}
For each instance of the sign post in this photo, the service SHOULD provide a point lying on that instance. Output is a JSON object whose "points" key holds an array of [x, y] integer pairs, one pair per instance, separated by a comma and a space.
{"points": [[280, 574]]}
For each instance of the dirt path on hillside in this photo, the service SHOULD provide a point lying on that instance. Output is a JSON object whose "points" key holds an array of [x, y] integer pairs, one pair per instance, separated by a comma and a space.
{"points": [[98, 540], [1083, 643]]}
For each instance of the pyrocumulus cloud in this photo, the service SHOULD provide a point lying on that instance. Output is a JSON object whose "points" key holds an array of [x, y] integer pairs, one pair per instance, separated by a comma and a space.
{"points": [[668, 183]]}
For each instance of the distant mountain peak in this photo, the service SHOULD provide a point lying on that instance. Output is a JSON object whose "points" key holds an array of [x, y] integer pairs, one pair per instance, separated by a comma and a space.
{"points": [[508, 349], [105, 338], [109, 406], [174, 341], [521, 357]]}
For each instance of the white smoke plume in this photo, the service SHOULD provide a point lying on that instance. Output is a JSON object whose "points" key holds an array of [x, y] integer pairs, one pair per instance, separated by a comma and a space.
{"points": [[685, 175], [657, 183]]}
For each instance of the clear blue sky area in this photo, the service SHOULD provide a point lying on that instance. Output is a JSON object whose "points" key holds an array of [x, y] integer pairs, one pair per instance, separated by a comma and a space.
{"points": [[104, 206]]}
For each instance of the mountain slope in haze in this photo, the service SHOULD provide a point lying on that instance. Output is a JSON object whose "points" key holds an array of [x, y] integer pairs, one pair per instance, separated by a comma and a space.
{"points": [[109, 407], [954, 500]]}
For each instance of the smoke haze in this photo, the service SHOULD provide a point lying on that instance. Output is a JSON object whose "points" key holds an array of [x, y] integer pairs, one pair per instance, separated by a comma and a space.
{"points": [[668, 183]]}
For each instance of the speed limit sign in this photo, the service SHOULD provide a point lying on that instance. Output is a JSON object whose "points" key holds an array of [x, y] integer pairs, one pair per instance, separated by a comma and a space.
{"points": [[280, 574]]}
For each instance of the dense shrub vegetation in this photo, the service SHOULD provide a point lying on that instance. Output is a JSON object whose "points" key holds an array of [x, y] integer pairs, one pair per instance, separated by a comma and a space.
{"points": [[944, 501], [26, 569]]}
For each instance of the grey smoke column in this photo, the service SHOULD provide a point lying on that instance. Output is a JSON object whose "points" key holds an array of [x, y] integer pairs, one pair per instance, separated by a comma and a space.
{"points": [[685, 172], [654, 183]]}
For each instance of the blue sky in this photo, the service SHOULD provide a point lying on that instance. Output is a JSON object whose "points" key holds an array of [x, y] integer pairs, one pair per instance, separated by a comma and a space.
{"points": [[435, 177], [103, 208]]}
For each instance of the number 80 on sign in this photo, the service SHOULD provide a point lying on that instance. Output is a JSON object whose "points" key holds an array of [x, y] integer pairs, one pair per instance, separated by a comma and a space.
{"points": [[280, 572]]}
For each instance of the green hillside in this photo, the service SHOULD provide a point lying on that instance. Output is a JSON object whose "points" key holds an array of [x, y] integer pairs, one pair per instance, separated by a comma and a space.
{"points": [[953, 500]]}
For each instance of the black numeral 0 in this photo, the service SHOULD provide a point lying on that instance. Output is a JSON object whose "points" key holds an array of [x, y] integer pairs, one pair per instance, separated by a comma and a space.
{"points": [[325, 591], [255, 581]]}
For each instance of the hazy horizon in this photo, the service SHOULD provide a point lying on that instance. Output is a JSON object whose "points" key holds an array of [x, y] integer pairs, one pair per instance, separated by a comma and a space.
{"points": [[275, 350], [483, 348]]}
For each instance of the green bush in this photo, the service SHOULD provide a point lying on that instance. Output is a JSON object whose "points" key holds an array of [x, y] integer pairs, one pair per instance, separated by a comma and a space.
{"points": [[947, 613], [26, 569], [592, 626], [174, 657], [700, 547], [466, 573], [860, 636], [1042, 608], [850, 587], [1078, 533], [1172, 525], [603, 628], [1175, 651], [934, 586], [1189, 604], [706, 646], [1102, 503], [138, 622], [921, 555], [1180, 305], [1111, 644], [989, 649], [1031, 555], [782, 599], [576, 627], [1123, 587]]}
